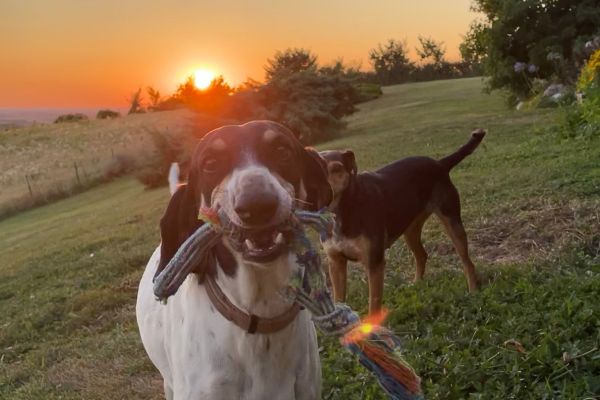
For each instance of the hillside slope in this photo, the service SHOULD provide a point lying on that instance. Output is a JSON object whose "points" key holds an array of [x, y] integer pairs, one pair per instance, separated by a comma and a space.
{"points": [[47, 153], [69, 270]]}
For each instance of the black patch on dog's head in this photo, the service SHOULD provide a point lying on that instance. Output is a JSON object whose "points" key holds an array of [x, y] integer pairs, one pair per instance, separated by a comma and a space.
{"points": [[345, 157], [267, 143]]}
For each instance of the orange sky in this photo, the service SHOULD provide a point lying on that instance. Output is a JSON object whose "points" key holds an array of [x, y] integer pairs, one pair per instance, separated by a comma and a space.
{"points": [[79, 53]]}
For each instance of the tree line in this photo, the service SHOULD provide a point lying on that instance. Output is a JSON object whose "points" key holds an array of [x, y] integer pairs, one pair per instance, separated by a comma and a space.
{"points": [[311, 99]]}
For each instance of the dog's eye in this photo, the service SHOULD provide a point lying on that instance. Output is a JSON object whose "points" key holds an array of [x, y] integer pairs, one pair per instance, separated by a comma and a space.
{"points": [[337, 168], [284, 154], [210, 165]]}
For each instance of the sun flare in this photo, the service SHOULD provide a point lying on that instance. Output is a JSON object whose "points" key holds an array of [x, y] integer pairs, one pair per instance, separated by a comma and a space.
{"points": [[203, 78], [368, 325]]}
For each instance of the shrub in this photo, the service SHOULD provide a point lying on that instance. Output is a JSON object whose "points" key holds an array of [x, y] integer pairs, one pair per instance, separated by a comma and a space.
{"points": [[167, 148], [583, 119], [589, 78], [120, 165], [153, 172], [312, 105], [77, 117], [211, 100], [520, 40], [107, 114], [311, 101], [367, 91]]}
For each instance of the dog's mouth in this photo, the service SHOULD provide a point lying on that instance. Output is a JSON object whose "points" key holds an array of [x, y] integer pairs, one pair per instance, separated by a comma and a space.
{"points": [[260, 245]]}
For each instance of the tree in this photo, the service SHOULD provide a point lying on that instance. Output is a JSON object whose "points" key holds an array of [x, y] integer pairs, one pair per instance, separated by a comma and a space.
{"points": [[430, 49], [311, 104], [154, 96], [310, 100], [211, 100], [187, 92], [289, 62], [349, 71], [135, 102], [391, 62], [473, 47], [520, 40]]}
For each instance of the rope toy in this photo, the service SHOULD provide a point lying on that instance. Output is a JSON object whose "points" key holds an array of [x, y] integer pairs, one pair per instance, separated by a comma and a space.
{"points": [[376, 347]]}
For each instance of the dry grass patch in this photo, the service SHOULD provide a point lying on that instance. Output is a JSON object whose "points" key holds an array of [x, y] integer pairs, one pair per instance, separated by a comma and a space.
{"points": [[538, 229], [46, 154]]}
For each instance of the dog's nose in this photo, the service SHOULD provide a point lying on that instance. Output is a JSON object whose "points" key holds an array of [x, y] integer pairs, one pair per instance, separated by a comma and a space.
{"points": [[256, 208]]}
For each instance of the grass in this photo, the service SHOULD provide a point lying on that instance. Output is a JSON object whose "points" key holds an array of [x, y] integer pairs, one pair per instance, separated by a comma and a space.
{"points": [[43, 156], [69, 270]]}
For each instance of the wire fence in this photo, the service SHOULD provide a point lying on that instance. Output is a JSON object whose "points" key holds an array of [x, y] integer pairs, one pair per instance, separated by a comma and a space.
{"points": [[65, 178]]}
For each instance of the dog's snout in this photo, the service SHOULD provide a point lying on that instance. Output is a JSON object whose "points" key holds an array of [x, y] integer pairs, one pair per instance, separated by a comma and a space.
{"points": [[256, 198], [256, 208]]}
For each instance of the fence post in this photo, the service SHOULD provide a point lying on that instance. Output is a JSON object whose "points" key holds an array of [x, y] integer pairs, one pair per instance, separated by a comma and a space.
{"points": [[77, 172], [29, 186]]}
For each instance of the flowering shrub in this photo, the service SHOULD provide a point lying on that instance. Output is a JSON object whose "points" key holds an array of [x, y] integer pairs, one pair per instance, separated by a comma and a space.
{"points": [[590, 74], [583, 119]]}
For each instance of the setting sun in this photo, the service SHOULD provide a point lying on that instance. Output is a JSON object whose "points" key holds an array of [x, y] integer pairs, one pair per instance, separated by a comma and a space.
{"points": [[203, 78]]}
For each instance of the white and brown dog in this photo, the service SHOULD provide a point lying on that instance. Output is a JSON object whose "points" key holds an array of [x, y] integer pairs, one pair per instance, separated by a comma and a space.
{"points": [[227, 333]]}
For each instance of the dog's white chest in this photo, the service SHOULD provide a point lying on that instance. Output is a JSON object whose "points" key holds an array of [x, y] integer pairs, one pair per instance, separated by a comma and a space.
{"points": [[351, 248], [201, 355]]}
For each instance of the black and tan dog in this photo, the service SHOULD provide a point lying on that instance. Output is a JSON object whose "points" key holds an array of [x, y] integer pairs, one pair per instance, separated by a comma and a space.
{"points": [[373, 209]]}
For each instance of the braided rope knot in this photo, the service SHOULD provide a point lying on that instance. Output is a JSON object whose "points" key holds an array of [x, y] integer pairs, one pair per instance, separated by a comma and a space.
{"points": [[338, 322]]}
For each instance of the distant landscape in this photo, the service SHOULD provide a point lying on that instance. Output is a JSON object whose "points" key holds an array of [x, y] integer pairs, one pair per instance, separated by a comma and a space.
{"points": [[40, 162], [16, 117]]}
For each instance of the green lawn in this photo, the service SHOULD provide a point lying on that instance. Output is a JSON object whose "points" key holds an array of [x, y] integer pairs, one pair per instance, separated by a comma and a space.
{"points": [[69, 270]]}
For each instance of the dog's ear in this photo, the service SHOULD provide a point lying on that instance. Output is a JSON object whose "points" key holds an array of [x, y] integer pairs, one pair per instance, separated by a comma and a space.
{"points": [[349, 161], [318, 191], [179, 221]]}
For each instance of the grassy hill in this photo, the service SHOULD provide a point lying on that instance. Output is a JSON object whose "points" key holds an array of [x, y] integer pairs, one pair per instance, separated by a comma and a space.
{"points": [[44, 155], [69, 270]]}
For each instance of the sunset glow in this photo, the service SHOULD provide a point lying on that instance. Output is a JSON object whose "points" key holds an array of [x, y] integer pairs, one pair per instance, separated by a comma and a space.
{"points": [[203, 78], [75, 55]]}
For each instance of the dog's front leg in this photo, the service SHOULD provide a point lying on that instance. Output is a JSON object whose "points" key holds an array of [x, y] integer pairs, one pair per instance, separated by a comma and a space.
{"points": [[375, 277], [338, 267]]}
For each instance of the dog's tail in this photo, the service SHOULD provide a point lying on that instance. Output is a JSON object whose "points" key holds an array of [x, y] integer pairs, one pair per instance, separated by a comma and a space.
{"points": [[453, 159], [173, 177]]}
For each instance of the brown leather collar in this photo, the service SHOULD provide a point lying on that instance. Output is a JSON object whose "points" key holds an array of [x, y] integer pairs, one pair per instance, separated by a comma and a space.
{"points": [[249, 322]]}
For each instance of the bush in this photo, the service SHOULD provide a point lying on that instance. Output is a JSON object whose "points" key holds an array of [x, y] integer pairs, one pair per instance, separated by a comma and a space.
{"points": [[107, 114], [312, 105], [168, 148], [522, 40], [309, 100], [77, 117], [120, 165], [583, 119], [367, 91], [153, 172], [211, 100]]}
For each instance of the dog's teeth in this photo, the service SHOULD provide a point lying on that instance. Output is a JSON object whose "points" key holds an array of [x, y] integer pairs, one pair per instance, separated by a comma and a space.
{"points": [[279, 238], [249, 244]]}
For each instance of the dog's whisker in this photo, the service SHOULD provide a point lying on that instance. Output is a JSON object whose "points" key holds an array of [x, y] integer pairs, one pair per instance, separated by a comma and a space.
{"points": [[300, 201]]}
